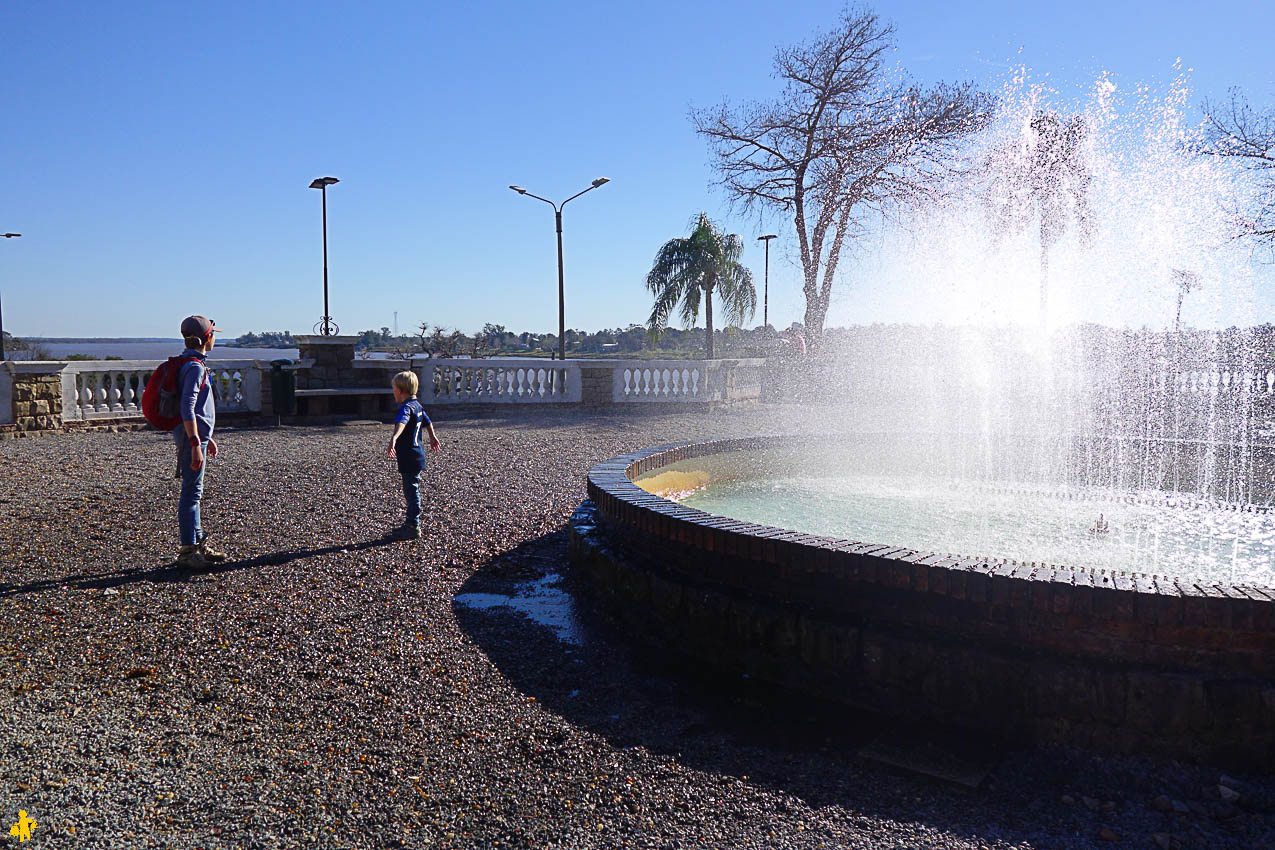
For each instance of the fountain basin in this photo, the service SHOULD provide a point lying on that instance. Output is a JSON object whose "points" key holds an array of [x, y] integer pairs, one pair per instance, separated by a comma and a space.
{"points": [[1115, 660]]}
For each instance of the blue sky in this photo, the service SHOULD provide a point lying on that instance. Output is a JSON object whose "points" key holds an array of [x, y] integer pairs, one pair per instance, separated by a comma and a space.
{"points": [[156, 155]]}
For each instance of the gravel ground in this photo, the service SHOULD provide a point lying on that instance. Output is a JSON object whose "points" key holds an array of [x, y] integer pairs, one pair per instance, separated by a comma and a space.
{"points": [[325, 688]]}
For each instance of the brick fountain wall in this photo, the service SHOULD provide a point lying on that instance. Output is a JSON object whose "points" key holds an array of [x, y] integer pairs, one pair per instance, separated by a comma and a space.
{"points": [[1128, 663]]}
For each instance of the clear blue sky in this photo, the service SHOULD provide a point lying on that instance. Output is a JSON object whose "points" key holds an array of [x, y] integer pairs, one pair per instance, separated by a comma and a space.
{"points": [[156, 155]]}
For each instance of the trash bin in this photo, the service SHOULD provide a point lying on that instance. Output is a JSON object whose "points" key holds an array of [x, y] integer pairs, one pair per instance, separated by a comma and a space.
{"points": [[283, 388]]}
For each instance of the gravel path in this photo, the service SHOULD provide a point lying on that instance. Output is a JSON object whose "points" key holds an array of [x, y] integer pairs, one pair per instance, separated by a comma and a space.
{"points": [[325, 688]]}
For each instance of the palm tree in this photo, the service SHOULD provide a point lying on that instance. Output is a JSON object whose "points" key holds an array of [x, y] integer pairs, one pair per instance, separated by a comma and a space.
{"points": [[687, 269], [1043, 176]]}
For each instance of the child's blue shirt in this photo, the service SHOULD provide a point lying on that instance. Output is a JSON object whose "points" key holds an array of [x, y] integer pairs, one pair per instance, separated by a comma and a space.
{"points": [[408, 447]]}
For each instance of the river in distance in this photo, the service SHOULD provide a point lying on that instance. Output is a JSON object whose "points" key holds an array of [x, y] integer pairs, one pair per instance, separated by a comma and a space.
{"points": [[157, 349]]}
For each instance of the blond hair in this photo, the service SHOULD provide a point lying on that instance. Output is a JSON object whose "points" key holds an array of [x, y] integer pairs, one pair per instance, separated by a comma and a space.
{"points": [[407, 382]]}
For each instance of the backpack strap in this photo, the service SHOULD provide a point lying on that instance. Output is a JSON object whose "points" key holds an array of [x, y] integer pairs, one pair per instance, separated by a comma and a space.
{"points": [[175, 371], [186, 360]]}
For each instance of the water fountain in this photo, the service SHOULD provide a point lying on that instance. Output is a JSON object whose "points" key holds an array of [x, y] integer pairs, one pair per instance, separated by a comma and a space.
{"points": [[1045, 521]]}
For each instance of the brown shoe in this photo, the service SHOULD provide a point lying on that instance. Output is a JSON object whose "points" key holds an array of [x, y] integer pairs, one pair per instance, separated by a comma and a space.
{"points": [[406, 532], [211, 554], [191, 558]]}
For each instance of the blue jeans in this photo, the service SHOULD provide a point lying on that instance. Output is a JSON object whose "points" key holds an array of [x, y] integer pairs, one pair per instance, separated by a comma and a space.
{"points": [[192, 490], [412, 491]]}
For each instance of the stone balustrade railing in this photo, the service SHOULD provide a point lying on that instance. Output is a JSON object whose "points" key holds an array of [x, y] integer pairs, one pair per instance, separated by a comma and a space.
{"points": [[113, 388], [594, 383], [498, 380], [660, 380], [42, 395]]}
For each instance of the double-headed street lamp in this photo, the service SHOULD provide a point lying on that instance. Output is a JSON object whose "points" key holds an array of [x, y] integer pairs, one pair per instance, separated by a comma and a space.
{"points": [[325, 326], [6, 236], [765, 298], [557, 215]]}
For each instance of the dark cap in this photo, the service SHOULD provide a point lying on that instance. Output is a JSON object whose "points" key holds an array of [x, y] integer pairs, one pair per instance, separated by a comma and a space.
{"points": [[198, 326]]}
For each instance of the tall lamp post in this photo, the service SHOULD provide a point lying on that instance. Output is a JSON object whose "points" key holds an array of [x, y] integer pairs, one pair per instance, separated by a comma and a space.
{"points": [[557, 215], [6, 236], [1186, 281], [765, 298], [325, 326]]}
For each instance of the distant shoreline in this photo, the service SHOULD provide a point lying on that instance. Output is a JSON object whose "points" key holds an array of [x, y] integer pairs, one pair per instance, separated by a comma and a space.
{"points": [[109, 340]]}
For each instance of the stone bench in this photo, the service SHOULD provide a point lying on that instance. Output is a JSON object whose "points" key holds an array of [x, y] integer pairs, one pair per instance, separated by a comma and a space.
{"points": [[355, 401]]}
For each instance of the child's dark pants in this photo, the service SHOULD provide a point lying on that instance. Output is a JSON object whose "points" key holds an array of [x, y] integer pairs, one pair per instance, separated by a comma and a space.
{"points": [[411, 472]]}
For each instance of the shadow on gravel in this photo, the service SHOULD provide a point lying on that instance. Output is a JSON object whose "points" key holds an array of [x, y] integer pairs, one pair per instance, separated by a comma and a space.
{"points": [[600, 680], [576, 665], [171, 572]]}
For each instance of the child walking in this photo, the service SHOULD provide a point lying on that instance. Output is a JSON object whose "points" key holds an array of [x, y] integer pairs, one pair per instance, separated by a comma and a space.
{"points": [[406, 446]]}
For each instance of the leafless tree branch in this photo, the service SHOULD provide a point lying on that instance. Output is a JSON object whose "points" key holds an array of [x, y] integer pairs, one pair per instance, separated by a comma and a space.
{"points": [[843, 141], [1237, 131]]}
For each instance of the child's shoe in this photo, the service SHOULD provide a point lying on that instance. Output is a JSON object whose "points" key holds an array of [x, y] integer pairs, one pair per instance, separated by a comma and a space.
{"points": [[406, 532], [191, 558], [211, 554]]}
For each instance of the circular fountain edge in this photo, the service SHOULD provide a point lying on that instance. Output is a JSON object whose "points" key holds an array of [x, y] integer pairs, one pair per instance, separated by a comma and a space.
{"points": [[1119, 662]]}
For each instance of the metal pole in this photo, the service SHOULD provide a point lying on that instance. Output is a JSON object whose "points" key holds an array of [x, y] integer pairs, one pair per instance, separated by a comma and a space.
{"points": [[765, 303], [562, 310], [6, 236], [327, 327], [765, 298]]}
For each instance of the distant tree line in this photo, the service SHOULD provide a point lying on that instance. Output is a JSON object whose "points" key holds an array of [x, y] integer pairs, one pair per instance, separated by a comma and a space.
{"points": [[266, 339], [635, 340]]}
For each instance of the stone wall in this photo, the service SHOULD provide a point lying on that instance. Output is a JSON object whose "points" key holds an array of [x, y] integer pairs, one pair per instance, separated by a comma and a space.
{"points": [[595, 386], [329, 363], [1122, 662], [36, 401]]}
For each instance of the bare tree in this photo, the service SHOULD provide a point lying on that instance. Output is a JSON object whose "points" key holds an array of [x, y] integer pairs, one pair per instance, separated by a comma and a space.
{"points": [[1237, 130], [437, 341], [845, 140]]}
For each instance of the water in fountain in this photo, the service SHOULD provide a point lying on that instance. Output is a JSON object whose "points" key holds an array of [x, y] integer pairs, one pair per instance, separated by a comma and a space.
{"points": [[1093, 353]]}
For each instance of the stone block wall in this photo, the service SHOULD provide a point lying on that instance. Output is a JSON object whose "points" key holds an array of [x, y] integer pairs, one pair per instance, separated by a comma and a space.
{"points": [[595, 385], [37, 401], [743, 382]]}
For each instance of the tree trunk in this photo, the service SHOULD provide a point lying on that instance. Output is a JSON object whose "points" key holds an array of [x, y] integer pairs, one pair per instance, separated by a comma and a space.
{"points": [[708, 318], [816, 312], [1044, 271], [1044, 284]]}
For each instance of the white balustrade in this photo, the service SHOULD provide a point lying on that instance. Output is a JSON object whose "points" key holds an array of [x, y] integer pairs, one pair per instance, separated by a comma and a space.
{"points": [[110, 389], [659, 381], [502, 380]]}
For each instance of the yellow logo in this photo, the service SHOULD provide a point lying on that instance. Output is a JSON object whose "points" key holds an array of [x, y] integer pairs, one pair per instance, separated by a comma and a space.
{"points": [[22, 829]]}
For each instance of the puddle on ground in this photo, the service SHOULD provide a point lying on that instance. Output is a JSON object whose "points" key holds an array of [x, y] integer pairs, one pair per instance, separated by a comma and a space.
{"points": [[543, 601]]}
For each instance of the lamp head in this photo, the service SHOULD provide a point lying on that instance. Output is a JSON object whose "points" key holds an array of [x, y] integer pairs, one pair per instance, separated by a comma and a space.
{"points": [[320, 182], [600, 181], [767, 236], [519, 190], [11, 235]]}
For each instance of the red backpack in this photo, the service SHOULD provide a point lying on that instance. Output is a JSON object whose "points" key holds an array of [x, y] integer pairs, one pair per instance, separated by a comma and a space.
{"points": [[161, 400]]}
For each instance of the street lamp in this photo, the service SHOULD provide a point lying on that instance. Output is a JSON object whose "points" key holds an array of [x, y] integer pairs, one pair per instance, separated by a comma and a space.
{"points": [[6, 236], [1186, 281], [557, 215], [765, 298], [325, 326]]}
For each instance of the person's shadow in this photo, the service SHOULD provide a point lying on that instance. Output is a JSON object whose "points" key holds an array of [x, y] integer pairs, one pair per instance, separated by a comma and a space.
{"points": [[173, 572]]}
